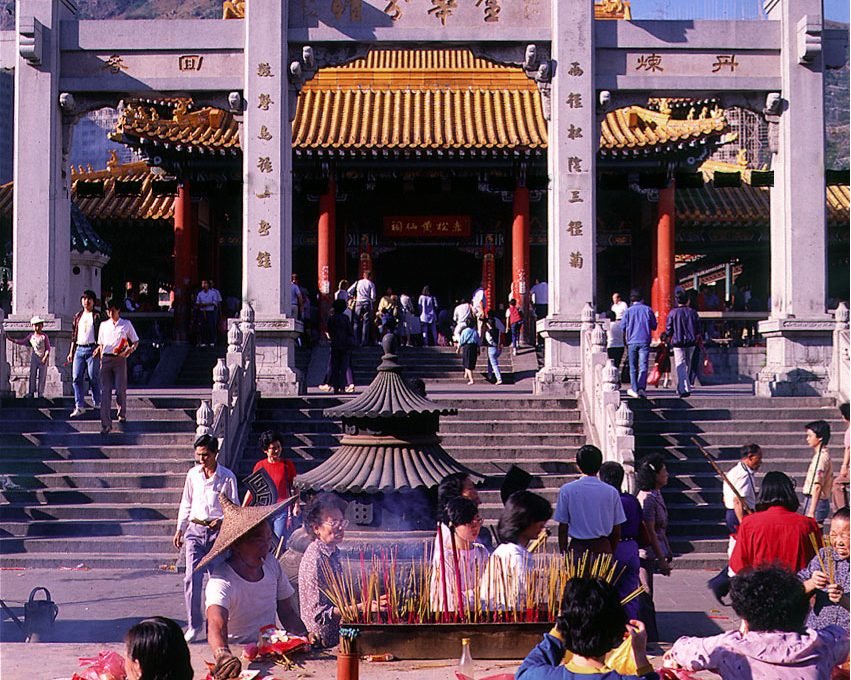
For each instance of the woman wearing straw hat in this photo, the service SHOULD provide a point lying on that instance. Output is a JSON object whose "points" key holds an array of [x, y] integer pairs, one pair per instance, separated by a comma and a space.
{"points": [[247, 590]]}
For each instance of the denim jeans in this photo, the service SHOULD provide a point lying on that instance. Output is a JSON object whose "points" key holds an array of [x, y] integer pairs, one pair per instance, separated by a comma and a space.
{"points": [[822, 508], [86, 364], [639, 356], [493, 362], [515, 333]]}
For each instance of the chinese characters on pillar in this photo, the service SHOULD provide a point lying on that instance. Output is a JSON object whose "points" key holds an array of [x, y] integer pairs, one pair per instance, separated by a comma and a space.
{"points": [[574, 163], [264, 162], [492, 9], [649, 62]]}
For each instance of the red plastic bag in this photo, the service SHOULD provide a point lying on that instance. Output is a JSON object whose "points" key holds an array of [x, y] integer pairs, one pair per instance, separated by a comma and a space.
{"points": [[708, 368], [654, 377], [105, 666]]}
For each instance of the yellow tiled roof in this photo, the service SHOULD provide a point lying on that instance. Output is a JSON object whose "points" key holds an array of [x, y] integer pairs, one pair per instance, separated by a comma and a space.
{"points": [[423, 99], [207, 130], [634, 128], [612, 9], [144, 205]]}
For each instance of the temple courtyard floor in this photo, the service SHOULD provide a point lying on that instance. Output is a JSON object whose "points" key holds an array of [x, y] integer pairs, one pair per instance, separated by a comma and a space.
{"points": [[96, 608]]}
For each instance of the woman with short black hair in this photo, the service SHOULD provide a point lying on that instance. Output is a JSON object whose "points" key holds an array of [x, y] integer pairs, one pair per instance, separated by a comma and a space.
{"points": [[504, 579], [156, 650], [776, 533], [591, 623]]}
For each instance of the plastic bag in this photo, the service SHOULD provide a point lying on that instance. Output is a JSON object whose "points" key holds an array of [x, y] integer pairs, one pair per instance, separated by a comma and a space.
{"points": [[654, 376], [708, 368], [105, 666]]}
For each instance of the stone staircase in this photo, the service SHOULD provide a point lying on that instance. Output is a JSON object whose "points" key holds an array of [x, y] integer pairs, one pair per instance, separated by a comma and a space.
{"points": [[197, 369], [722, 423], [72, 496], [488, 435], [432, 364]]}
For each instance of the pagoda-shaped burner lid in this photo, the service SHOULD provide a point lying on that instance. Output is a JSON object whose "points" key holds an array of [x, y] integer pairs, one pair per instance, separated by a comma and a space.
{"points": [[389, 395]]}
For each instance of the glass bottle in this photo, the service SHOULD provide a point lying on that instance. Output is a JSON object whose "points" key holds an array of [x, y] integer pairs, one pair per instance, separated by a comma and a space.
{"points": [[466, 669]]}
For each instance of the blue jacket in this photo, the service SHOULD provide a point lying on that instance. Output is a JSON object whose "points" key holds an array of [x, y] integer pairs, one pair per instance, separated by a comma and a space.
{"points": [[638, 322], [544, 663], [682, 327]]}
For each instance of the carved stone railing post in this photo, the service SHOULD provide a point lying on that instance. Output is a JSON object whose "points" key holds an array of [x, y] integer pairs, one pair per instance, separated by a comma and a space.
{"points": [[234, 389], [840, 363], [204, 419], [607, 418]]}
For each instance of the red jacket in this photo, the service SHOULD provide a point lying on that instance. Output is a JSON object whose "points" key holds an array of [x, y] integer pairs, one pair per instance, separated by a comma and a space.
{"points": [[777, 536]]}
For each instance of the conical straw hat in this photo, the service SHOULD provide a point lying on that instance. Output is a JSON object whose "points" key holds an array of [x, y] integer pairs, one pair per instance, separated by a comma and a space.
{"points": [[237, 522]]}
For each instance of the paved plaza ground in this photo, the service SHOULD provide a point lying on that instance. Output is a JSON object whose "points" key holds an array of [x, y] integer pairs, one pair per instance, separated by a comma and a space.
{"points": [[97, 607]]}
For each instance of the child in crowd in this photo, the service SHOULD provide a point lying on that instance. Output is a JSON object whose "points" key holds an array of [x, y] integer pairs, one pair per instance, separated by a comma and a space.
{"points": [[459, 559], [592, 622], [663, 361], [40, 344], [830, 604], [503, 584], [773, 642]]}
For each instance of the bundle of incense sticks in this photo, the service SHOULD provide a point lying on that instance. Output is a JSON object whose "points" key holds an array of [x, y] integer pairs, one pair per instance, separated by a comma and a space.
{"points": [[375, 588], [348, 640], [828, 556], [815, 543]]}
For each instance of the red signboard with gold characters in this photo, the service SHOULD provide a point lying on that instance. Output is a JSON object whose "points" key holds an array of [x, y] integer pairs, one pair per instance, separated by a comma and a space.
{"points": [[428, 226]]}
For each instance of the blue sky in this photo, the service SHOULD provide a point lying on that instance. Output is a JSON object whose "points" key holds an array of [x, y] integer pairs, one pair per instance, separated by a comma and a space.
{"points": [[719, 9]]}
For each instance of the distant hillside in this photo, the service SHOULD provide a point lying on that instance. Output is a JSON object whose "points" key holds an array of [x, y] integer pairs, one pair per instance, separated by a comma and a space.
{"points": [[836, 82]]}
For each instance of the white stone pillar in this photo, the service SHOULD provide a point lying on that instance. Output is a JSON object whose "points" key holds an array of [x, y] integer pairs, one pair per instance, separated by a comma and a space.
{"points": [[572, 157], [798, 332], [41, 233], [267, 195]]}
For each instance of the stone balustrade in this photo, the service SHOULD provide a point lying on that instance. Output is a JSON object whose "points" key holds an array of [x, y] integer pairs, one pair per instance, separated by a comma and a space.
{"points": [[227, 415], [840, 365], [608, 419]]}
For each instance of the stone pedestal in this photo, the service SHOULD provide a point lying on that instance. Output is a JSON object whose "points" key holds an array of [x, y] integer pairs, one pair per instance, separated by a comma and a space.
{"points": [[562, 372], [277, 374], [798, 356]]}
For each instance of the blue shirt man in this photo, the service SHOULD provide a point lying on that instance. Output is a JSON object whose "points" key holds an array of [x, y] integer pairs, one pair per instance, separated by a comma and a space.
{"points": [[639, 321]]}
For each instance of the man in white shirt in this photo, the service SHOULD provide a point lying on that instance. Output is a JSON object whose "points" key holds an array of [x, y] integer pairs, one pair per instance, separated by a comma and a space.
{"points": [[540, 293], [207, 304], [742, 476], [462, 312], [363, 291], [199, 520], [117, 340], [619, 306], [589, 512], [83, 354]]}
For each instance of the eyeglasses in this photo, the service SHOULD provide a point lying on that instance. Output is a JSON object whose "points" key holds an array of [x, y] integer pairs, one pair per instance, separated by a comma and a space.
{"points": [[477, 520], [335, 524]]}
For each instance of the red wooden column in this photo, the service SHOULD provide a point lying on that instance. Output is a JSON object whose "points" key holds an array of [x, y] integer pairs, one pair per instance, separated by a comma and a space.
{"points": [[325, 240], [665, 255], [520, 251], [185, 260]]}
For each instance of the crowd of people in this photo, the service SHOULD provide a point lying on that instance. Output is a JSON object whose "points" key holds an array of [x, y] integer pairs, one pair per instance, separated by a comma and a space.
{"points": [[787, 584], [358, 317]]}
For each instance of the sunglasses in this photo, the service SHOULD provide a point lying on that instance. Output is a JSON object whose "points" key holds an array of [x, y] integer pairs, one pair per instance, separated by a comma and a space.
{"points": [[335, 524]]}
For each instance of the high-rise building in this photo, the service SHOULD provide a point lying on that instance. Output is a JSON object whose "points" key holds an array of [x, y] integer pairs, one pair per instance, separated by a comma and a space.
{"points": [[90, 144]]}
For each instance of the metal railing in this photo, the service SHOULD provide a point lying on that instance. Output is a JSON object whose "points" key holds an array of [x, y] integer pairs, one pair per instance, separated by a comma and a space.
{"points": [[840, 363], [608, 418], [227, 415]]}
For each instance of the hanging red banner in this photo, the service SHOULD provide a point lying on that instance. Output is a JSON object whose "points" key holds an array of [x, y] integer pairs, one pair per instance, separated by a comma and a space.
{"points": [[427, 226]]}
